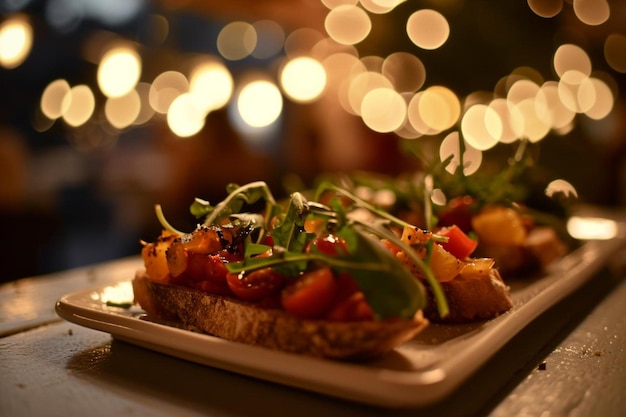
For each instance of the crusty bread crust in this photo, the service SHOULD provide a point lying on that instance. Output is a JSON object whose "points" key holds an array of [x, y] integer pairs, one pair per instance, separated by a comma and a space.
{"points": [[473, 297], [244, 322], [541, 247]]}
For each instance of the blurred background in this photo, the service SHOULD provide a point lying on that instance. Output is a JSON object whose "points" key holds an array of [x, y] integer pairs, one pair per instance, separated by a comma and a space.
{"points": [[108, 107]]}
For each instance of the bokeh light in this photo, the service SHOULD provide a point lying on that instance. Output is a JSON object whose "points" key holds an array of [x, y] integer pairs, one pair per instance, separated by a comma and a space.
{"points": [[550, 108], [78, 105], [270, 39], [259, 103], [546, 8], [592, 12], [52, 99], [406, 71], [119, 71], [451, 148], [615, 51], [184, 118], [363, 83], [481, 127], [348, 24], [511, 118], [122, 111], [16, 41], [165, 88], [427, 29], [145, 110], [383, 110], [571, 57], [211, 85], [237, 40], [439, 108], [303, 79]]}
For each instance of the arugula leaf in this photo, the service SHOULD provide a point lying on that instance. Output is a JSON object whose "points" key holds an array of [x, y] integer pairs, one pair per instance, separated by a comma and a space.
{"points": [[290, 235], [390, 289], [379, 229], [238, 195]]}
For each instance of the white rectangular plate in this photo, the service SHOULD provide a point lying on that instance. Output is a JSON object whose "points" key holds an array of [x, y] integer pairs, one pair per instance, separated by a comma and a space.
{"points": [[418, 373]]}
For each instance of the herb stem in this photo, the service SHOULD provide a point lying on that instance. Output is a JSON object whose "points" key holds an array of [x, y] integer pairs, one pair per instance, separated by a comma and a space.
{"points": [[166, 225]]}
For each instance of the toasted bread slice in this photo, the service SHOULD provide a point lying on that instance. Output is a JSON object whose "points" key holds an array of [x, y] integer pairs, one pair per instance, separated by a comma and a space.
{"points": [[244, 322], [473, 297], [540, 248]]}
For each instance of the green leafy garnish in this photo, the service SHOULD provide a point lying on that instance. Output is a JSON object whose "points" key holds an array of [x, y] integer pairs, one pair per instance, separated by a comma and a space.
{"points": [[389, 287]]}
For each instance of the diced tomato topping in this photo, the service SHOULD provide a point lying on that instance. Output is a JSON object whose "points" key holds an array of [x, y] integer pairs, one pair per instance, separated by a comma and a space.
{"points": [[255, 285], [459, 211], [329, 245], [459, 244], [392, 247], [312, 295], [353, 308], [213, 287]]}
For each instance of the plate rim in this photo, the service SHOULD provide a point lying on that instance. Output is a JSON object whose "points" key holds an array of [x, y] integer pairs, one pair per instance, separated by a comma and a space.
{"points": [[377, 386]]}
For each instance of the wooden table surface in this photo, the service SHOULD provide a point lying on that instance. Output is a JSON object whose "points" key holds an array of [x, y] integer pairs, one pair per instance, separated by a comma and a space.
{"points": [[571, 361]]}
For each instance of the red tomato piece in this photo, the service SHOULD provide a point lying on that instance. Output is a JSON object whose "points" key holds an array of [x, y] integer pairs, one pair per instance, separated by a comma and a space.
{"points": [[353, 308], [329, 245], [255, 285], [459, 211], [312, 295], [459, 244], [213, 287]]}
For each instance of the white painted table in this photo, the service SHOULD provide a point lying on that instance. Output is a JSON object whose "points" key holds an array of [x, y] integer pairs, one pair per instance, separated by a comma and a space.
{"points": [[569, 362]]}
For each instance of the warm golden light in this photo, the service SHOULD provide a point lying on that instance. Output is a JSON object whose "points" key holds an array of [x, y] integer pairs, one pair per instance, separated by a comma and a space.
{"points": [[535, 128], [415, 117], [145, 110], [184, 118], [211, 85], [236, 40], [576, 91], [271, 38], [602, 99], [303, 79], [165, 88], [362, 84], [380, 6], [450, 147], [481, 127], [546, 8], [341, 66], [427, 29], [259, 103], [592, 228], [439, 108], [302, 41], [571, 57], [52, 99], [560, 187], [511, 118], [521, 90], [347, 24], [16, 41], [550, 107], [407, 131], [405, 71], [615, 51], [78, 104], [592, 12], [383, 110], [122, 111], [119, 71]]}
